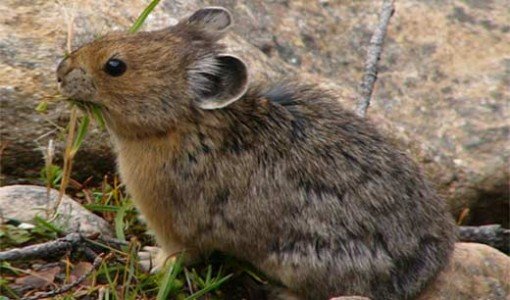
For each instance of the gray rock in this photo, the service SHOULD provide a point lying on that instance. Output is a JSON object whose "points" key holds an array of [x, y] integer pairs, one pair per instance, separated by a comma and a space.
{"points": [[24, 202]]}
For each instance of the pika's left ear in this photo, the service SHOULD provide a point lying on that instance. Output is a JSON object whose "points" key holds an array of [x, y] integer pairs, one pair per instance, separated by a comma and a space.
{"points": [[218, 82], [212, 22]]}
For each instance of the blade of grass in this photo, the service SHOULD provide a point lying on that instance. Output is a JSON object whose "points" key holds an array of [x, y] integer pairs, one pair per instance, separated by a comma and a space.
{"points": [[81, 133], [101, 208], [197, 279], [111, 282], [119, 252], [129, 271], [208, 275], [145, 13], [48, 225], [187, 275], [119, 223], [168, 284], [98, 116], [211, 287], [42, 107]]}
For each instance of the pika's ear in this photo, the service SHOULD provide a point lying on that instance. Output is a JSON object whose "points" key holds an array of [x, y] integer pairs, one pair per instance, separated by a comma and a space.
{"points": [[219, 81], [213, 22]]}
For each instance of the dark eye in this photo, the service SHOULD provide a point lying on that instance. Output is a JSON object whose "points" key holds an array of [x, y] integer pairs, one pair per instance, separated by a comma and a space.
{"points": [[115, 67]]}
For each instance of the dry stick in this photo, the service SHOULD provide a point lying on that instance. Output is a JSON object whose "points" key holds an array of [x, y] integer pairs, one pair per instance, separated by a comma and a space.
{"points": [[493, 235], [52, 248], [48, 161], [373, 55], [68, 156], [67, 287], [68, 161], [60, 246]]}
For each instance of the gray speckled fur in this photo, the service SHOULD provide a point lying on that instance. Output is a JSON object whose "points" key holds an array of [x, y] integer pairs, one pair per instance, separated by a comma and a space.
{"points": [[311, 194]]}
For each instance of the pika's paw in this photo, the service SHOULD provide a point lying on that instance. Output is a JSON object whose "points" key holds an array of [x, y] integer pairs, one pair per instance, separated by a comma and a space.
{"points": [[153, 259], [149, 259]]}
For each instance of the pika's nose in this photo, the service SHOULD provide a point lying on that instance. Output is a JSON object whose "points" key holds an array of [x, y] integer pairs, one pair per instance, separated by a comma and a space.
{"points": [[62, 69]]}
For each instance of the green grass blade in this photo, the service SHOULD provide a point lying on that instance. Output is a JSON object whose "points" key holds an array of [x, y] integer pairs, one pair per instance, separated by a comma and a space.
{"points": [[131, 273], [49, 226], [97, 114], [112, 284], [119, 223], [80, 136], [209, 288], [42, 107], [146, 12], [168, 284], [208, 275], [101, 208]]}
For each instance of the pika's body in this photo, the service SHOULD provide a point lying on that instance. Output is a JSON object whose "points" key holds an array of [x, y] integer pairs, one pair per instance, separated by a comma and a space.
{"points": [[282, 177]]}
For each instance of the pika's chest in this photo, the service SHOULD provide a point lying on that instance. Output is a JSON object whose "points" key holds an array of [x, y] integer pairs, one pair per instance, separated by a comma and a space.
{"points": [[144, 169], [171, 189]]}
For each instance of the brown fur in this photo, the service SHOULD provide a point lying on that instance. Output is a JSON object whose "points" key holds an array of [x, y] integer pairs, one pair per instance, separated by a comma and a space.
{"points": [[284, 177]]}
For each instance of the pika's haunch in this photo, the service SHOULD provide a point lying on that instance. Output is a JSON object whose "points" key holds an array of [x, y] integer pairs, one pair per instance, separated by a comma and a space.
{"points": [[283, 177]]}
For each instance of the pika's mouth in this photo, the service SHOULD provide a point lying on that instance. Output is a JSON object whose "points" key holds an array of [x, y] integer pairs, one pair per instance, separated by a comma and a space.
{"points": [[77, 85], [71, 95], [85, 105]]}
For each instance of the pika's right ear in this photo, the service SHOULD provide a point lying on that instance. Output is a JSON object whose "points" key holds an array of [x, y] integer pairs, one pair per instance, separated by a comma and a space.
{"points": [[213, 22], [216, 82]]}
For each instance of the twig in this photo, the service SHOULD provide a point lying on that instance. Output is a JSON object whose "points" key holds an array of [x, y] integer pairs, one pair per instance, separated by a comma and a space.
{"points": [[52, 248], [61, 246], [68, 162], [67, 287], [68, 155], [373, 55], [492, 235], [48, 162]]}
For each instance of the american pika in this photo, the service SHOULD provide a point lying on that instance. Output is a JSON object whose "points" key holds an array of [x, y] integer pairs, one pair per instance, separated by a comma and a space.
{"points": [[281, 176]]}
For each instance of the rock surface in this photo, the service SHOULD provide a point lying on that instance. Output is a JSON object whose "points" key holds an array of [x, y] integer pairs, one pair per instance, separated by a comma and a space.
{"points": [[24, 202], [442, 90], [475, 272]]}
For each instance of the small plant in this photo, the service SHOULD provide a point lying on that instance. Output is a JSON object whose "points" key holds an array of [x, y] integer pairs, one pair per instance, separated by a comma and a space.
{"points": [[52, 175]]}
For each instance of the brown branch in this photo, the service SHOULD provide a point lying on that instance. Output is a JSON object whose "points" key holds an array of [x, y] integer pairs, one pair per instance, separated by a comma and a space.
{"points": [[373, 55], [68, 154], [52, 248], [59, 247]]}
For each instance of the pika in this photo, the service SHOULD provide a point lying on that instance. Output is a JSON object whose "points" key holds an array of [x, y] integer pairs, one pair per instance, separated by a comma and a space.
{"points": [[280, 176]]}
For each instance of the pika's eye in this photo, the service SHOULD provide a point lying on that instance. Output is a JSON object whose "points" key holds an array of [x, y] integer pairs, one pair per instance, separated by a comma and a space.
{"points": [[115, 67]]}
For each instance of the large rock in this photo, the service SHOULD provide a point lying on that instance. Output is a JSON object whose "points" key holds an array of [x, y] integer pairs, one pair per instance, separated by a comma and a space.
{"points": [[475, 272], [442, 90], [24, 202]]}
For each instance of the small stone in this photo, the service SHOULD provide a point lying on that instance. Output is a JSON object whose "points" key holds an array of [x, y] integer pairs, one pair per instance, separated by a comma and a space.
{"points": [[24, 202]]}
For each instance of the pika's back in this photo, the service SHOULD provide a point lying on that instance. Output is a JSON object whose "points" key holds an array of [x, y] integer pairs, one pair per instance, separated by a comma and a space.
{"points": [[347, 200]]}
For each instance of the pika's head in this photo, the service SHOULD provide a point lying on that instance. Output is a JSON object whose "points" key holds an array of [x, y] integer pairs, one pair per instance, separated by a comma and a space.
{"points": [[148, 82]]}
